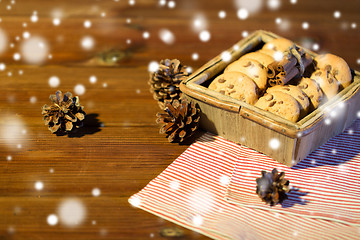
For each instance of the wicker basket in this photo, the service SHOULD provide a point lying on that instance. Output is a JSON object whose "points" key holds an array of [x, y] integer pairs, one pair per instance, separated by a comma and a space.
{"points": [[283, 140]]}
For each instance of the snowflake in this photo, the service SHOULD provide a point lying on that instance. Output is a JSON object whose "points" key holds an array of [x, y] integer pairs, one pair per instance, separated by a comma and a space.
{"points": [[96, 192], [273, 4], [17, 56], [2, 66], [197, 220], [224, 180], [167, 36], [87, 24], [52, 219], [39, 185], [243, 13], [54, 81], [79, 89], [87, 42], [204, 36], [195, 56], [153, 66], [222, 14], [274, 143], [171, 4], [305, 25], [72, 212], [225, 56], [337, 14]]}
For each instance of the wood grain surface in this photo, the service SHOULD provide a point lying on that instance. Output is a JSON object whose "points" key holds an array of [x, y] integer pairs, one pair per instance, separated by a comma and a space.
{"points": [[119, 150]]}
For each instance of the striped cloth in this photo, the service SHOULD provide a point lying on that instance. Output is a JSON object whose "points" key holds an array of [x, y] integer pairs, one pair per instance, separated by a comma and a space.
{"points": [[193, 193], [325, 185]]}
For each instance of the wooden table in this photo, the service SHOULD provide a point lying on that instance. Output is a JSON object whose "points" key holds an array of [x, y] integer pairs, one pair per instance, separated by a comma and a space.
{"points": [[119, 151]]}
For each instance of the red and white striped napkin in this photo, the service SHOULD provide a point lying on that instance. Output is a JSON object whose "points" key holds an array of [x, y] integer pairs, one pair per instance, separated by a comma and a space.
{"points": [[325, 185], [192, 192]]}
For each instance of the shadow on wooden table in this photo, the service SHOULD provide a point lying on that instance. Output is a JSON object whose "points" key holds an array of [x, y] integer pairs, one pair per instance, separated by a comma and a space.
{"points": [[91, 125]]}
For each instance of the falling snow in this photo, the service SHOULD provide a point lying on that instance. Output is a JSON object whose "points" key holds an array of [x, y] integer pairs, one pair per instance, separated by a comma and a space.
{"points": [[79, 89], [54, 81], [171, 4], [252, 6], [96, 192], [195, 56], [56, 21], [2, 66], [273, 4], [337, 14], [92, 79], [222, 14], [242, 13], [52, 219], [71, 212], [274, 143], [153, 66], [34, 50], [87, 43], [226, 56], [146, 35], [197, 220], [205, 36], [87, 24], [17, 56], [305, 25], [166, 36], [39, 185]]}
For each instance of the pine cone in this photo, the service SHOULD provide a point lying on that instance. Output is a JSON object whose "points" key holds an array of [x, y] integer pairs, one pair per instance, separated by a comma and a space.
{"points": [[272, 187], [64, 113], [180, 119], [164, 83]]}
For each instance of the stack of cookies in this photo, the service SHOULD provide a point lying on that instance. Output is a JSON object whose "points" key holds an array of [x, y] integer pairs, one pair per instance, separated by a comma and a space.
{"points": [[247, 80]]}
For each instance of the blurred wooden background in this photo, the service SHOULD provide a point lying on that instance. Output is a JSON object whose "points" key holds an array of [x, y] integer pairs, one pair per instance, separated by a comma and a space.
{"points": [[120, 151]]}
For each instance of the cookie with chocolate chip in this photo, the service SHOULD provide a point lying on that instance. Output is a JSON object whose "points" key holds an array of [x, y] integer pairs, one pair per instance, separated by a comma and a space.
{"points": [[236, 85], [312, 89], [328, 84], [296, 93], [278, 45], [262, 58], [251, 68], [281, 104], [336, 66]]}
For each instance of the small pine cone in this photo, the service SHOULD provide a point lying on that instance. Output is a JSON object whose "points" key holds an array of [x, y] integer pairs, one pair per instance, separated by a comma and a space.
{"points": [[64, 114], [272, 187], [164, 83], [180, 119]]}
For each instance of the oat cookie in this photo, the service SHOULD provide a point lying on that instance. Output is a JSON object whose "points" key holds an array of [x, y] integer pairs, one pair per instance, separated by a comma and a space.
{"points": [[281, 104], [251, 68], [296, 93], [236, 85], [312, 89], [337, 67], [328, 84]]}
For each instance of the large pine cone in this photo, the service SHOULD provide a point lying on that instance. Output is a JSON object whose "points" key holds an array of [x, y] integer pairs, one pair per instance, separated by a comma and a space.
{"points": [[164, 83], [272, 187], [180, 120], [64, 114]]}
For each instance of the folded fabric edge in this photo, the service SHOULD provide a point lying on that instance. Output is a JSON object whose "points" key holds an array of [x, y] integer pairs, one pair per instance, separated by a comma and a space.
{"points": [[266, 208], [216, 235]]}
